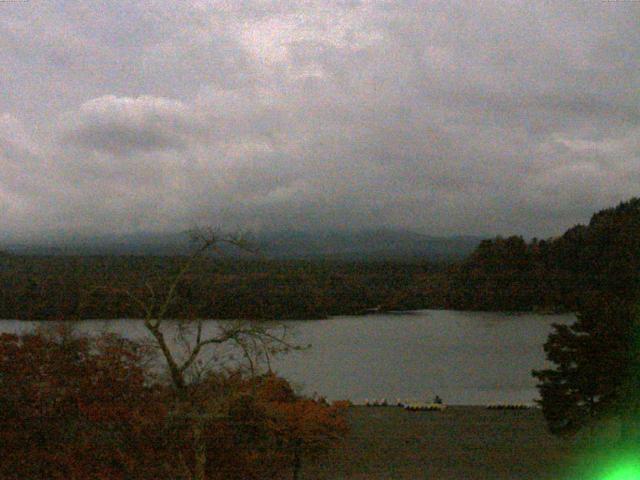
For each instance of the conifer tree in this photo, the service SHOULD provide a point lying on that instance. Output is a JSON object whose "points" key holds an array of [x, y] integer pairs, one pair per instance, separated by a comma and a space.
{"points": [[594, 369]]}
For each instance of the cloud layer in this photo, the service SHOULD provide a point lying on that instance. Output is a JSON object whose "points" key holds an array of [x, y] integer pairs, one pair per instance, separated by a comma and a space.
{"points": [[442, 117]]}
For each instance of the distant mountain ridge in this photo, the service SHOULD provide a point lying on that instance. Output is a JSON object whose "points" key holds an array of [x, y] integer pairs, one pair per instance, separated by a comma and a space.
{"points": [[367, 244], [334, 244]]}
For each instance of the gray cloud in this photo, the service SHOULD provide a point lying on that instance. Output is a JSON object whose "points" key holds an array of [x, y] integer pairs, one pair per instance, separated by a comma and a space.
{"points": [[442, 117], [126, 126]]}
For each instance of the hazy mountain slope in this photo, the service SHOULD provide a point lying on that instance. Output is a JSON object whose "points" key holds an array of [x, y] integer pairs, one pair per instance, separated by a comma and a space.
{"points": [[361, 245]]}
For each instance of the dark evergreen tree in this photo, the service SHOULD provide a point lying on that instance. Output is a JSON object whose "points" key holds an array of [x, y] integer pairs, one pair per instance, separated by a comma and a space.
{"points": [[594, 371]]}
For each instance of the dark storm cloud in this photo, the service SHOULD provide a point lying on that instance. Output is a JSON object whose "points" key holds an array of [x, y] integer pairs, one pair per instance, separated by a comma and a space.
{"points": [[445, 117]]}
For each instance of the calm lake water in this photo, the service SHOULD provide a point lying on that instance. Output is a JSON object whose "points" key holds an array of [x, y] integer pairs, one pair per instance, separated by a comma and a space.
{"points": [[464, 357]]}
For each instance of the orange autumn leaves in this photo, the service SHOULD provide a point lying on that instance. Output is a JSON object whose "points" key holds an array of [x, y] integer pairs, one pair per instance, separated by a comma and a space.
{"points": [[78, 408], [311, 425], [73, 408], [261, 429]]}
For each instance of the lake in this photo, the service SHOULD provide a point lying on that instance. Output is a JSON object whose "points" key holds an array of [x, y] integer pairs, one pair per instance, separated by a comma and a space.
{"points": [[467, 358]]}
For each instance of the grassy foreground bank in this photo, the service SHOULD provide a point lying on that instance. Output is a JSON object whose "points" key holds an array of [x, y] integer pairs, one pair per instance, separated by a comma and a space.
{"points": [[460, 443]]}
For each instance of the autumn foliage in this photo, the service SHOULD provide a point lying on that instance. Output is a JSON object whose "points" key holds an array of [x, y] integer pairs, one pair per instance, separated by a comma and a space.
{"points": [[256, 427], [77, 408]]}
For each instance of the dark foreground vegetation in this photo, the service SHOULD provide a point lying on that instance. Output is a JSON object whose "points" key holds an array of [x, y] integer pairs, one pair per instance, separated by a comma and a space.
{"points": [[504, 274], [594, 373], [77, 408]]}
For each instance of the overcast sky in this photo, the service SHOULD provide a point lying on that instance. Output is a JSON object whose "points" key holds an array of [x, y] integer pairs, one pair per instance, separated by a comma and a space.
{"points": [[443, 117]]}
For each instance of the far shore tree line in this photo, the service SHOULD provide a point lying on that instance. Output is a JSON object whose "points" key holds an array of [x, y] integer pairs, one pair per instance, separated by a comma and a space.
{"points": [[503, 274]]}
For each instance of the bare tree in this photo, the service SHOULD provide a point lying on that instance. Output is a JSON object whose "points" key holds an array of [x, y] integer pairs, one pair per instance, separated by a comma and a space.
{"points": [[184, 357]]}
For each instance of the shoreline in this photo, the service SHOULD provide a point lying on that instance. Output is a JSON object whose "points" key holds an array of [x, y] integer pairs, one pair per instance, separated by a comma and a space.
{"points": [[345, 316], [461, 442]]}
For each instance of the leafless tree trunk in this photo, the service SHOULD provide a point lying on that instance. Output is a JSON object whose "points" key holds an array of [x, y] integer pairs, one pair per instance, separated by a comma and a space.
{"points": [[200, 451], [297, 460], [251, 339]]}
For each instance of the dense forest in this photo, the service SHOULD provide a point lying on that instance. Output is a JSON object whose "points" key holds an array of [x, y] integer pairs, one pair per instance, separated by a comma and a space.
{"points": [[508, 274], [555, 274], [57, 287]]}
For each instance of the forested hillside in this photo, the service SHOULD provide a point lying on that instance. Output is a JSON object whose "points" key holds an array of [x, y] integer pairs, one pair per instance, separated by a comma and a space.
{"points": [[553, 274]]}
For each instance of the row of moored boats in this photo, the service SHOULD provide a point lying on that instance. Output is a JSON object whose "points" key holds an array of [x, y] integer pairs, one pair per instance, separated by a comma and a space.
{"points": [[438, 406]]}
